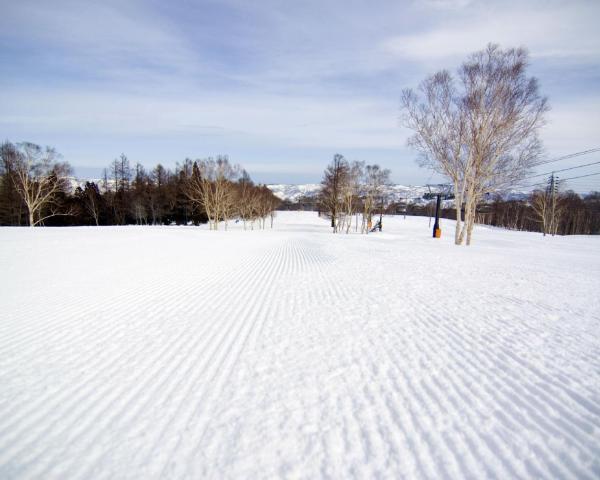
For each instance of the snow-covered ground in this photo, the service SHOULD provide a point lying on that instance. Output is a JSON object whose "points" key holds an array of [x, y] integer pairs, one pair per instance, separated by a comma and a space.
{"points": [[176, 352]]}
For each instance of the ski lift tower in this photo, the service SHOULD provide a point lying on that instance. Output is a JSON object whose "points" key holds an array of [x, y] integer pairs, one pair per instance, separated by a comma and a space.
{"points": [[441, 191]]}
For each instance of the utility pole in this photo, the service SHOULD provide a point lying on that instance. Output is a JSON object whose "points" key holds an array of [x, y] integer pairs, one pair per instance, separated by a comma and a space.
{"points": [[553, 192]]}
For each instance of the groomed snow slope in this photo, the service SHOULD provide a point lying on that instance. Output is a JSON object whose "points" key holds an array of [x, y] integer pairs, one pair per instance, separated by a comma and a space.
{"points": [[176, 352]]}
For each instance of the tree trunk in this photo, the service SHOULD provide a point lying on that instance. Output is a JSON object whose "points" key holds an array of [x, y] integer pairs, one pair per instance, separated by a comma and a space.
{"points": [[470, 220], [458, 206], [470, 224], [463, 229]]}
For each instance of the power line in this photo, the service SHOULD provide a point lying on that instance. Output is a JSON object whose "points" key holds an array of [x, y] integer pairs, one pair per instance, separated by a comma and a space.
{"points": [[532, 185], [583, 186], [562, 170], [565, 157], [580, 176], [590, 182], [561, 180]]}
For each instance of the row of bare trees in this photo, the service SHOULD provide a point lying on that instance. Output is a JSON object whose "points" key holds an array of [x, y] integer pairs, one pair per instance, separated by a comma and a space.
{"points": [[548, 208], [479, 130], [225, 191], [36, 189], [565, 213], [352, 190]]}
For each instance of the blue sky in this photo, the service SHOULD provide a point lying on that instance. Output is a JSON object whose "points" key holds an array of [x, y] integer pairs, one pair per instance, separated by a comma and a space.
{"points": [[279, 86]]}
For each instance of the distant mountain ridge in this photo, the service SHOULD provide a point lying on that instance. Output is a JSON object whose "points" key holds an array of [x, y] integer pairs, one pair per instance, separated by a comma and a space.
{"points": [[394, 193], [293, 192]]}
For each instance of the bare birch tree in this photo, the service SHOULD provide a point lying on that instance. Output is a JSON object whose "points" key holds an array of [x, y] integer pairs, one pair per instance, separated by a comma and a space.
{"points": [[247, 198], [436, 114], [375, 181], [548, 207], [504, 112], [40, 179], [540, 203], [351, 190], [482, 136], [334, 180]]}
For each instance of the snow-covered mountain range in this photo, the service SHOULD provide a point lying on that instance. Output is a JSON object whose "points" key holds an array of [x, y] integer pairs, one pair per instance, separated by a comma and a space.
{"points": [[394, 193], [293, 192]]}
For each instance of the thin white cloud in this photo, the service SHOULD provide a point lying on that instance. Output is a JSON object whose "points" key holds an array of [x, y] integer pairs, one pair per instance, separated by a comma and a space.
{"points": [[556, 30], [273, 120], [103, 39], [446, 4], [284, 167], [572, 126]]}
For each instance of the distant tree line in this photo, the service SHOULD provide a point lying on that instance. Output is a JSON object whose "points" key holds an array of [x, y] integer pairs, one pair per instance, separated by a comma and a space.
{"points": [[574, 214], [304, 203], [36, 189]]}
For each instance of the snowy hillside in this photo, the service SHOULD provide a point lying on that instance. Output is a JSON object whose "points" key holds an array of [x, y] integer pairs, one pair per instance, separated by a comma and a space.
{"points": [[178, 352], [75, 183], [293, 192]]}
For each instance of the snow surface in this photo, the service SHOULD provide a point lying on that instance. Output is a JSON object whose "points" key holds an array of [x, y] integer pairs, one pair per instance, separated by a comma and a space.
{"points": [[177, 352]]}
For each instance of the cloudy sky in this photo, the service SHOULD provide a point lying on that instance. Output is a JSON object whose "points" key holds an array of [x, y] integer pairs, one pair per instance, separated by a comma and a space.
{"points": [[280, 86]]}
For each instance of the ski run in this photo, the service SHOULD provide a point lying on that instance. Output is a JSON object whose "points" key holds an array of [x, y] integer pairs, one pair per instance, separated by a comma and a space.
{"points": [[178, 352]]}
